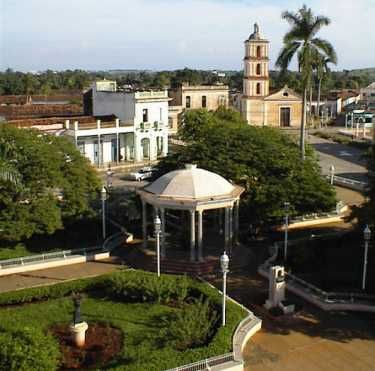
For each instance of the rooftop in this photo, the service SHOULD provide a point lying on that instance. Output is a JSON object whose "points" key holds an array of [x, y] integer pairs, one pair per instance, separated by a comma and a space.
{"points": [[190, 183]]}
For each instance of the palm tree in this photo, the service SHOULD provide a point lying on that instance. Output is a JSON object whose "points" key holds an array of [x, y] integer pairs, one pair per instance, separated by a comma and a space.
{"points": [[8, 172], [322, 69], [301, 40]]}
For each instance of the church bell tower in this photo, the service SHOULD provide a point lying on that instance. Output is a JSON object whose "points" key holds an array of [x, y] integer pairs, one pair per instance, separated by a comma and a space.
{"points": [[256, 72]]}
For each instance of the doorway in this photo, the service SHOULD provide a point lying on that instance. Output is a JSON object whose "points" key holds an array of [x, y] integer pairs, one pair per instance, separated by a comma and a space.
{"points": [[284, 117]]}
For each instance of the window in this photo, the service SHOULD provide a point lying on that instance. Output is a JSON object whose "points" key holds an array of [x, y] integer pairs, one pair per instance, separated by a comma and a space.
{"points": [[145, 115], [160, 114], [258, 88], [259, 51], [204, 101], [258, 69], [188, 101], [170, 122], [285, 94]]}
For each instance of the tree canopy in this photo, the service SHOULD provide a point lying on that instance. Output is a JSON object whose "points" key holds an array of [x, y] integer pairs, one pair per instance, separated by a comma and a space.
{"points": [[55, 184], [263, 160]]}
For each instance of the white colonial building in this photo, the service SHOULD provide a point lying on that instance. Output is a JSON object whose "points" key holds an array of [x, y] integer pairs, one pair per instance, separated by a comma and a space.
{"points": [[137, 131]]}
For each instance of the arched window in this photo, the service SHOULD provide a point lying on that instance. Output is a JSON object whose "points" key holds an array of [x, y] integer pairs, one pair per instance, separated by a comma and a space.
{"points": [[258, 68], [259, 51], [258, 88]]}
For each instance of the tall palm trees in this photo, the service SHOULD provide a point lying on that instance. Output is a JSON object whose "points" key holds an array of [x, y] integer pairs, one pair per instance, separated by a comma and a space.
{"points": [[301, 40]]}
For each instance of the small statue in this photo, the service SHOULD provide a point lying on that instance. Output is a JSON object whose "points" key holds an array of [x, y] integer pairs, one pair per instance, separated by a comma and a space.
{"points": [[256, 28], [77, 298]]}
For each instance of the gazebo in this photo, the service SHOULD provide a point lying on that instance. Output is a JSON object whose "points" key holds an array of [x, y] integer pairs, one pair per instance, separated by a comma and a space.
{"points": [[195, 191]]}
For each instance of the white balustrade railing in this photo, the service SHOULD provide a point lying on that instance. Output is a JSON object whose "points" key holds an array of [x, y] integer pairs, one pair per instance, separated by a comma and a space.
{"points": [[206, 364], [108, 245]]}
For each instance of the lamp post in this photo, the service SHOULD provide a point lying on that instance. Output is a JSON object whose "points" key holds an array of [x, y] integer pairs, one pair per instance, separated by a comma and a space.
{"points": [[286, 207], [224, 263], [157, 225], [367, 237], [109, 174], [332, 173], [103, 195]]}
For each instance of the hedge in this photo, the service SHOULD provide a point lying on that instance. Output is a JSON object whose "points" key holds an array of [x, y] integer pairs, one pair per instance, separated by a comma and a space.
{"points": [[139, 286]]}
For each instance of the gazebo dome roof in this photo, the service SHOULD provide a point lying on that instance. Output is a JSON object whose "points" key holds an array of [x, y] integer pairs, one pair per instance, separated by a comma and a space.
{"points": [[190, 183]]}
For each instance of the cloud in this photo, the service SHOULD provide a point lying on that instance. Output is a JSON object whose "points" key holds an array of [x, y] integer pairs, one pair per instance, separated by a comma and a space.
{"points": [[166, 34]]}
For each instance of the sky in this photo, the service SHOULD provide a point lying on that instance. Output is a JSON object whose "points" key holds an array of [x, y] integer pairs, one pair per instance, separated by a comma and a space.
{"points": [[167, 34]]}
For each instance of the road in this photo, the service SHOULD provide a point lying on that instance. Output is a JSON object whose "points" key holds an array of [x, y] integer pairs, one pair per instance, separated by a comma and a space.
{"points": [[348, 161]]}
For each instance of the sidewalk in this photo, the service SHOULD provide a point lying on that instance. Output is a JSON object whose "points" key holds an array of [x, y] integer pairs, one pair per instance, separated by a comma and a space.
{"points": [[55, 275]]}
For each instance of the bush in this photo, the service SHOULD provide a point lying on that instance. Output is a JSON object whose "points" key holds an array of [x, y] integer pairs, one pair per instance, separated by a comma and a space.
{"points": [[139, 286], [193, 326], [28, 349]]}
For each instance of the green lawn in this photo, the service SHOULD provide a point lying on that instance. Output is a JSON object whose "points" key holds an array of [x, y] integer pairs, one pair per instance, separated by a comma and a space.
{"points": [[143, 323], [140, 324]]}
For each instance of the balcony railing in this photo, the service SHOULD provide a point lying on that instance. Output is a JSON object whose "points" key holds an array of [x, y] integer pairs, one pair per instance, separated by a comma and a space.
{"points": [[151, 94], [98, 125]]}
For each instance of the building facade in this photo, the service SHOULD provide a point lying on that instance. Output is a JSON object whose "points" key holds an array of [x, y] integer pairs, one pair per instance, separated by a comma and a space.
{"points": [[368, 95], [139, 132], [257, 106], [186, 97]]}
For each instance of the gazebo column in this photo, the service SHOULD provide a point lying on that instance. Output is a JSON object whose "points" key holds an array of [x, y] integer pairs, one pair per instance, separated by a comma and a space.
{"points": [[144, 223], [192, 235], [230, 228], [220, 220], [200, 235], [226, 228], [162, 217], [236, 220]]}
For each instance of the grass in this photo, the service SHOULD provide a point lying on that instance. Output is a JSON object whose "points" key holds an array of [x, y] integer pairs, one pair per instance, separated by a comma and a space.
{"points": [[139, 322], [143, 324], [17, 251], [343, 139], [333, 263]]}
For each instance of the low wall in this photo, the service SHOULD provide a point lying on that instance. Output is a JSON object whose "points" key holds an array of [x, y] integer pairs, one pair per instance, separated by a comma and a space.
{"points": [[312, 222], [54, 263]]}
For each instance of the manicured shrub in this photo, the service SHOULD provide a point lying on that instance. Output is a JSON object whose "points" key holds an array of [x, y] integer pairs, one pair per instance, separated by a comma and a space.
{"points": [[139, 286], [193, 326], [28, 349]]}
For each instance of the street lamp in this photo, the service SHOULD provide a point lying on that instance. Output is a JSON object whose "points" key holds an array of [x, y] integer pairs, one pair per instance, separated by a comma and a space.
{"points": [[109, 174], [103, 196], [157, 226], [224, 263], [286, 207], [367, 238], [332, 173]]}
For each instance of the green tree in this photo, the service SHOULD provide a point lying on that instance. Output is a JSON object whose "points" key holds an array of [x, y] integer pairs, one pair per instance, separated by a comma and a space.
{"points": [[301, 40], [57, 185], [263, 160]]}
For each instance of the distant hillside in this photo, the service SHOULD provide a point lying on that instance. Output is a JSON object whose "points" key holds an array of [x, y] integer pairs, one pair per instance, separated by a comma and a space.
{"points": [[370, 72]]}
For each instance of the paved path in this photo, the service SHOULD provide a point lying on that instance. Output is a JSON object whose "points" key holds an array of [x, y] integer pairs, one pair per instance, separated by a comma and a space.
{"points": [[317, 341], [310, 341], [55, 275], [347, 160]]}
